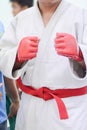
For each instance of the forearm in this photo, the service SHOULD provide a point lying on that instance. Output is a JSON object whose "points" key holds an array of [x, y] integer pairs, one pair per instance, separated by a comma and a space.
{"points": [[11, 89], [78, 67], [17, 66], [83, 65], [82, 62]]}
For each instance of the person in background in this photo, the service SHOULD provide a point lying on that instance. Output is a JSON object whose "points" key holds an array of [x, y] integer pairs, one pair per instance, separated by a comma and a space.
{"points": [[3, 115], [20, 5], [12, 101], [11, 90]]}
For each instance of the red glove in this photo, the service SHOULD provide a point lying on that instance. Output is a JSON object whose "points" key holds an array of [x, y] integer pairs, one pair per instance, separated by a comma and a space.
{"points": [[27, 49], [66, 45]]}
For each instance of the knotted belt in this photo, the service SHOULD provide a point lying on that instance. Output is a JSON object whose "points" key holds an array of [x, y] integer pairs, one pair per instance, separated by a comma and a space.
{"points": [[47, 94]]}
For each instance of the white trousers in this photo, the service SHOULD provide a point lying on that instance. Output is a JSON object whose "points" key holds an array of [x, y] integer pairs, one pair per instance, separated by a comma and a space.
{"points": [[37, 114]]}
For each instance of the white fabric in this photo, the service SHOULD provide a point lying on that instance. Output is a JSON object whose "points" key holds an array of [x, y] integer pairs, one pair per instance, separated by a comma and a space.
{"points": [[48, 68], [36, 114]]}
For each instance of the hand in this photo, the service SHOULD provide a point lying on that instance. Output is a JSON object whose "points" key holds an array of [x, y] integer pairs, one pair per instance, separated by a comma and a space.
{"points": [[27, 49], [66, 45], [13, 109], [0, 92]]}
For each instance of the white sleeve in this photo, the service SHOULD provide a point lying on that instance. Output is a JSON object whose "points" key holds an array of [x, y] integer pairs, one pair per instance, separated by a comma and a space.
{"points": [[8, 51], [83, 44], [82, 41]]}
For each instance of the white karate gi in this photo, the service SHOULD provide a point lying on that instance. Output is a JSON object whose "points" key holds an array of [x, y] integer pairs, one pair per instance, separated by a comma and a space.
{"points": [[48, 68]]}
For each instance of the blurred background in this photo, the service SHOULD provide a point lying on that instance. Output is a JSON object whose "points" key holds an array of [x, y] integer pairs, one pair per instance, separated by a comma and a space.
{"points": [[6, 15]]}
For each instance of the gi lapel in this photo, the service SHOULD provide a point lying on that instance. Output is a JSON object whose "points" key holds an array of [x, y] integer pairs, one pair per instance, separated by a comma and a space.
{"points": [[47, 31]]}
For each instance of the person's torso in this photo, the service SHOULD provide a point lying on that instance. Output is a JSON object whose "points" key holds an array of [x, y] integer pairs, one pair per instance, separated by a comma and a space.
{"points": [[48, 68]]}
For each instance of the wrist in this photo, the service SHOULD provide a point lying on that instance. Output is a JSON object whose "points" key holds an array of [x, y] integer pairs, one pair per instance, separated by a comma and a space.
{"points": [[18, 64], [79, 57], [19, 61], [80, 54], [16, 100]]}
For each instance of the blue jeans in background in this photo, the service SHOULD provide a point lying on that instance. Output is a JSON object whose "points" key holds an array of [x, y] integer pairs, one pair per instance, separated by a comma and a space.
{"points": [[3, 126]]}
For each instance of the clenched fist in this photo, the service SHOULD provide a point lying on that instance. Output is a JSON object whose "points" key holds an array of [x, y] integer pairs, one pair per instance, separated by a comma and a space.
{"points": [[66, 45], [27, 49], [13, 109]]}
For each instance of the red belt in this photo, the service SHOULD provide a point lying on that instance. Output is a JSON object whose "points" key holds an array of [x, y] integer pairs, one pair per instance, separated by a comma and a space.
{"points": [[47, 94]]}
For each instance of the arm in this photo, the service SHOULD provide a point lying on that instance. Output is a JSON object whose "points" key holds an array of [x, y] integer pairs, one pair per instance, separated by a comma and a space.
{"points": [[27, 50], [9, 44], [12, 92], [17, 66], [11, 47], [67, 45], [83, 46], [82, 64], [79, 66]]}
